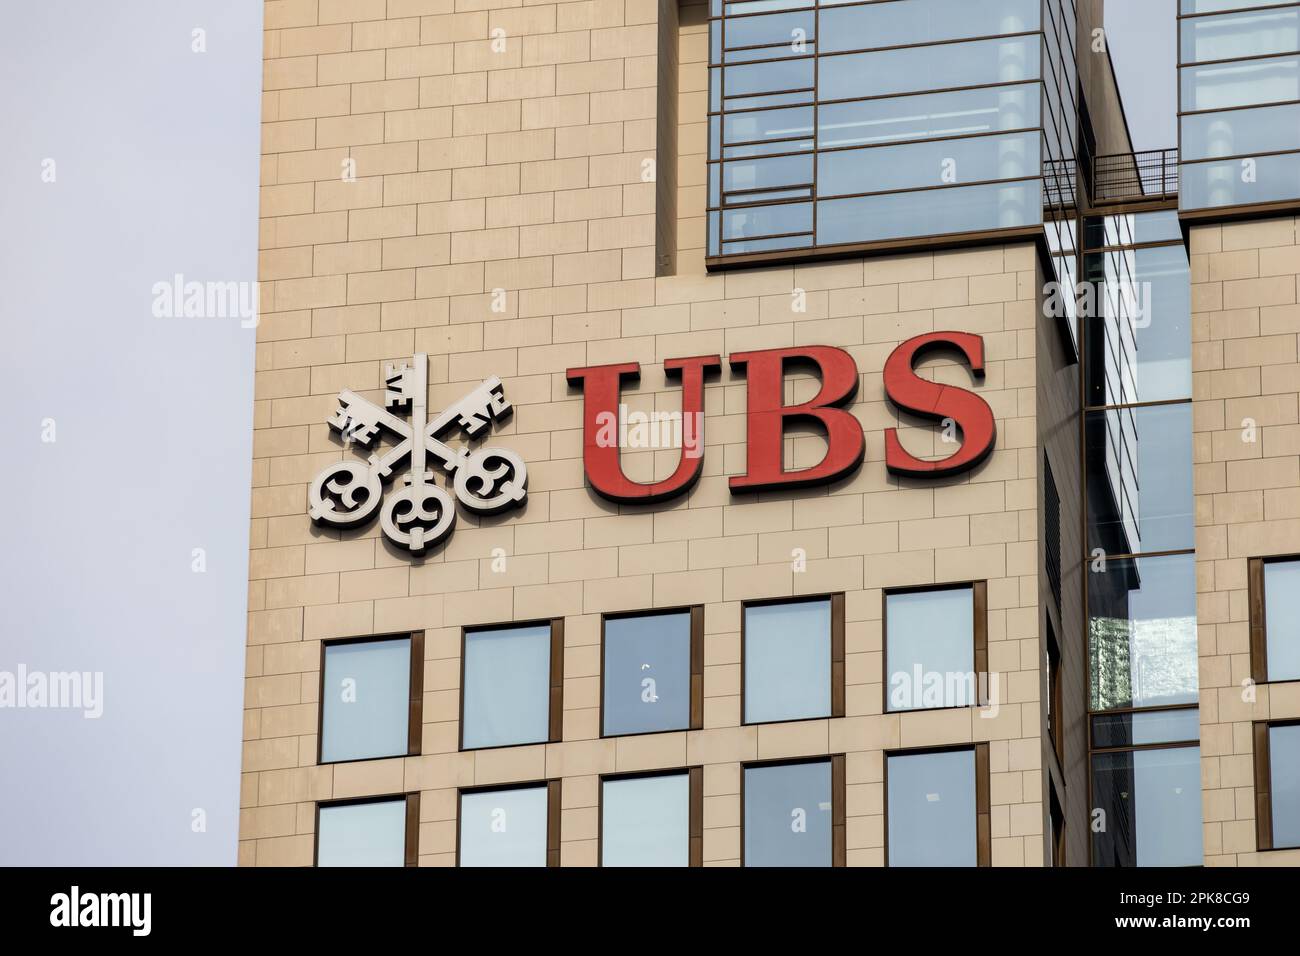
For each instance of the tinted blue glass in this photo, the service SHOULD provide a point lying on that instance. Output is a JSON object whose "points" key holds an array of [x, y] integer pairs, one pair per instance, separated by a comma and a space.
{"points": [[768, 77], [930, 649], [915, 165], [930, 115], [1146, 727], [931, 809], [761, 221], [780, 171], [933, 67], [365, 708], [788, 815], [1214, 6], [934, 212], [503, 827], [647, 673], [1237, 35], [787, 658], [1238, 182], [1284, 761], [1152, 802], [764, 6], [1223, 85], [769, 245], [770, 124], [786, 28], [869, 26], [362, 834], [507, 693], [645, 821], [1282, 619], [1241, 132]]}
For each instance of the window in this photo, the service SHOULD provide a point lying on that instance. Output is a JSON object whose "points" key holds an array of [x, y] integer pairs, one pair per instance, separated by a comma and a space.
{"points": [[1052, 532], [652, 820], [510, 826], [936, 642], [937, 808], [1274, 619], [792, 658], [512, 683], [1277, 785], [370, 698], [1058, 830], [1055, 721], [368, 832], [653, 672], [793, 813]]}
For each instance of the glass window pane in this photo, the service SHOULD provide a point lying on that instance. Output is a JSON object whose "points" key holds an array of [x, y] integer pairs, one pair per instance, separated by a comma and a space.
{"points": [[768, 245], [770, 124], [930, 115], [931, 809], [1239, 182], [1237, 35], [1282, 619], [507, 693], [915, 165], [1284, 765], [1241, 132], [645, 821], [787, 661], [780, 171], [647, 673], [922, 21], [1142, 633], [1152, 803], [1136, 228], [1214, 6], [1146, 727], [788, 815], [768, 77], [930, 649], [761, 221], [362, 834], [934, 212], [1222, 85], [367, 699], [776, 28], [1140, 479], [916, 69], [503, 827]]}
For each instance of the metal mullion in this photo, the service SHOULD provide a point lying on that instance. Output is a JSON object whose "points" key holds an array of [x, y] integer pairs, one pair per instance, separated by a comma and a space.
{"points": [[763, 142], [1239, 59], [768, 235], [1224, 159], [932, 139], [1143, 555], [950, 89], [816, 139], [1228, 13], [745, 159], [922, 189], [1156, 244], [1243, 106], [767, 189], [931, 43]]}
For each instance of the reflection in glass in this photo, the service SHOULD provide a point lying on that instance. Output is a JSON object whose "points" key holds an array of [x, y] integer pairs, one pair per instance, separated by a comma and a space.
{"points": [[916, 69], [1146, 727], [1152, 805], [1241, 132], [1282, 619], [788, 814], [915, 165], [866, 26], [1284, 764], [1239, 35], [362, 834], [503, 827], [1142, 633], [366, 699], [787, 656], [927, 116], [931, 809], [645, 821], [1214, 184], [507, 693], [933, 212], [1241, 83], [930, 649], [647, 673]]}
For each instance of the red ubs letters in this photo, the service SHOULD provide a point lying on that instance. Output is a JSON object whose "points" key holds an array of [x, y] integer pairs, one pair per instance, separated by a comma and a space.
{"points": [[767, 416]]}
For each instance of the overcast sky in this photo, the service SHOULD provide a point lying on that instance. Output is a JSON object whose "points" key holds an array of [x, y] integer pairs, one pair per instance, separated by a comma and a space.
{"points": [[128, 434]]}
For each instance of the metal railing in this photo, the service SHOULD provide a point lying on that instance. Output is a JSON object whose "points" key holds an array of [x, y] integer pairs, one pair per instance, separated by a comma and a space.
{"points": [[1125, 177]]}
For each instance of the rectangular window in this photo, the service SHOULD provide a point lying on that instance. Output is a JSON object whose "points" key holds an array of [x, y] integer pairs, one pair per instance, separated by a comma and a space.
{"points": [[1055, 721], [653, 672], [1274, 619], [875, 25], [936, 646], [1245, 132], [937, 808], [1151, 802], [792, 660], [379, 832], [1220, 183], [511, 684], [794, 813], [1052, 532], [1221, 86], [510, 826], [652, 819], [1277, 785], [370, 698], [1234, 36]]}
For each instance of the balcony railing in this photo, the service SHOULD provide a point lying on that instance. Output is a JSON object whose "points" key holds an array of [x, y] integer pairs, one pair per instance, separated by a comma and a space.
{"points": [[1127, 177]]}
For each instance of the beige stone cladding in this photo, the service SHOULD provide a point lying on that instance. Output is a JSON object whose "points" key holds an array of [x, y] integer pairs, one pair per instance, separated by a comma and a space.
{"points": [[467, 180], [1245, 322]]}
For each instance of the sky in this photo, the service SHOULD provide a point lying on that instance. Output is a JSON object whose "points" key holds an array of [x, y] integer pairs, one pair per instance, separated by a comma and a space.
{"points": [[128, 435], [130, 158]]}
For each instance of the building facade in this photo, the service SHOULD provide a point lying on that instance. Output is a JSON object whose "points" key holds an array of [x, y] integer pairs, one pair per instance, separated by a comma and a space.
{"points": [[772, 432]]}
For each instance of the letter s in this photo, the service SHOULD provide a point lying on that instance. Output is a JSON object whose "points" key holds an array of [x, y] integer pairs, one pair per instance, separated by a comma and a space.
{"points": [[937, 401]]}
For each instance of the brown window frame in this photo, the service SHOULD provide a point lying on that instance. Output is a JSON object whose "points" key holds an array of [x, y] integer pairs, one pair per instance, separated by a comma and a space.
{"points": [[553, 811], [415, 711], [1263, 765], [411, 853], [983, 795], [979, 628], [696, 719], [555, 715], [1258, 610], [839, 797], [837, 671], [695, 834]]}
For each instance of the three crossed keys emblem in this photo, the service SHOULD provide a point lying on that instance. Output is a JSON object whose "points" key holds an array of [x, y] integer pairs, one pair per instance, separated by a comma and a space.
{"points": [[418, 516]]}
